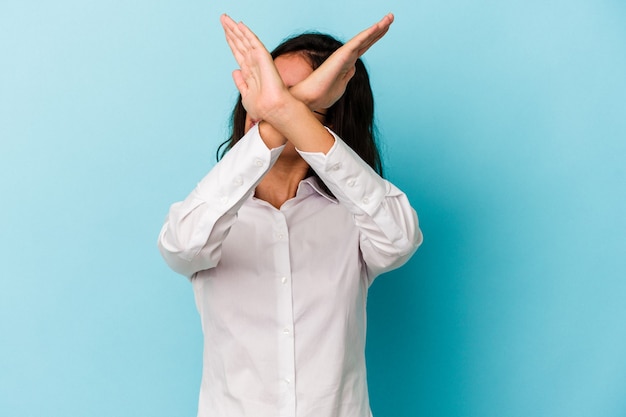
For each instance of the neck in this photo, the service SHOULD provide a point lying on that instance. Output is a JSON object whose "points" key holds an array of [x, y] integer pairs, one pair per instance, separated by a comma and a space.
{"points": [[281, 182]]}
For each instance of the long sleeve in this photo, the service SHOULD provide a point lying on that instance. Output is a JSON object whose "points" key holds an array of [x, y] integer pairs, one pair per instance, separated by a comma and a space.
{"points": [[192, 236], [388, 224]]}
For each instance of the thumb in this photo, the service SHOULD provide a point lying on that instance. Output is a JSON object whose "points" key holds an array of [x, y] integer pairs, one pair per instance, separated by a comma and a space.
{"points": [[241, 84]]}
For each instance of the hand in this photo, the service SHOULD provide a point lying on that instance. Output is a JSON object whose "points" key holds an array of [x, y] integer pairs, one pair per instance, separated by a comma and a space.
{"points": [[262, 90], [326, 84]]}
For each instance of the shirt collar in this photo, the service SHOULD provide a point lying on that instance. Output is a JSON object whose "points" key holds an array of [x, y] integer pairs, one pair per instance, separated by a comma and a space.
{"points": [[312, 184]]}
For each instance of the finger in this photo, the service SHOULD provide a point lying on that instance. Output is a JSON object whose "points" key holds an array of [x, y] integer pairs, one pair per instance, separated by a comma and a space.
{"points": [[371, 42], [374, 33], [249, 37], [235, 46], [240, 32], [230, 28], [365, 39], [235, 40], [226, 20], [229, 25], [384, 23]]}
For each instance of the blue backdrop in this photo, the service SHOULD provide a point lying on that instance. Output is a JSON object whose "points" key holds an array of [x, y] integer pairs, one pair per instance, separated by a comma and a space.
{"points": [[504, 121]]}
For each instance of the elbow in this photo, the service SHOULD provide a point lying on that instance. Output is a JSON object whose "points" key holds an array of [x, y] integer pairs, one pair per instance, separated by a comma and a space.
{"points": [[412, 238], [418, 238], [173, 257], [405, 249], [185, 260]]}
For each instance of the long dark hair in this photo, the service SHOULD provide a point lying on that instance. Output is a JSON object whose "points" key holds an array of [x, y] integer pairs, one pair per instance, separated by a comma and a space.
{"points": [[351, 117]]}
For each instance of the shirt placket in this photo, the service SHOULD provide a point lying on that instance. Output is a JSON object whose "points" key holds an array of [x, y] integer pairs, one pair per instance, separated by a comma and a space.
{"points": [[285, 330]]}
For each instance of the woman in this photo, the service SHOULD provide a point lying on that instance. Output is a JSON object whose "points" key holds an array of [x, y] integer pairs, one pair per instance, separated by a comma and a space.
{"points": [[283, 237]]}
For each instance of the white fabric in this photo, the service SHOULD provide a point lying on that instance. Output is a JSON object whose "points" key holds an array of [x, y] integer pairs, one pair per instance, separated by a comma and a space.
{"points": [[282, 293]]}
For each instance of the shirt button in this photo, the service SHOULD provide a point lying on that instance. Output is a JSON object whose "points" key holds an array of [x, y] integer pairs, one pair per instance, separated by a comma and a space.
{"points": [[224, 200], [351, 182], [365, 200], [283, 280], [336, 167], [286, 331], [287, 380], [280, 236], [238, 181], [258, 162]]}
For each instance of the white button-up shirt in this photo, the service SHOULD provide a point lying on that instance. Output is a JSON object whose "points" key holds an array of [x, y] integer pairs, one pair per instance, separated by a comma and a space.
{"points": [[282, 292]]}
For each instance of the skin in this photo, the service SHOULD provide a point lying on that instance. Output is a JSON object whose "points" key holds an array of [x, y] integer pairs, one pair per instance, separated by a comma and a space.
{"points": [[281, 182], [280, 95]]}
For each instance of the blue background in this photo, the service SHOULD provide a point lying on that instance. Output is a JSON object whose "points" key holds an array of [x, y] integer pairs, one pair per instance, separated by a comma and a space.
{"points": [[504, 121]]}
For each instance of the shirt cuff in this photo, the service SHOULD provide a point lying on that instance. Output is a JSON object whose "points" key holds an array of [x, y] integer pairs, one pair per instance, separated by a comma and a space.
{"points": [[239, 171], [352, 181]]}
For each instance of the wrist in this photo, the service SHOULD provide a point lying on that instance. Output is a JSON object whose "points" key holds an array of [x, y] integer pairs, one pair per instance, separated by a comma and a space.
{"points": [[299, 94], [270, 136], [284, 111], [302, 128]]}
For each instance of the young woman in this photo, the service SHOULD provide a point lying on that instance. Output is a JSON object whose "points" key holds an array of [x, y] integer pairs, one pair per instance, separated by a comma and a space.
{"points": [[284, 236]]}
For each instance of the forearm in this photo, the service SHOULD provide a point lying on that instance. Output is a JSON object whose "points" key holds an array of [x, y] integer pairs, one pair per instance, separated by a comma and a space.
{"points": [[389, 226], [301, 93], [293, 121], [191, 237], [274, 138]]}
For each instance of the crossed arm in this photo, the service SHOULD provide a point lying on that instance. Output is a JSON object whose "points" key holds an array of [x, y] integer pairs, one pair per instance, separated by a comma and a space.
{"points": [[285, 113]]}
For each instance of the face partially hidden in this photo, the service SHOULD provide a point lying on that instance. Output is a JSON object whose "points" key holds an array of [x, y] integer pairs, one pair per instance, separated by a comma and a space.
{"points": [[292, 68]]}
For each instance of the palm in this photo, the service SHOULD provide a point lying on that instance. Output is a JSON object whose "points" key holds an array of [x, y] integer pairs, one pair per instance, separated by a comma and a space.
{"points": [[260, 84], [327, 83], [257, 79]]}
